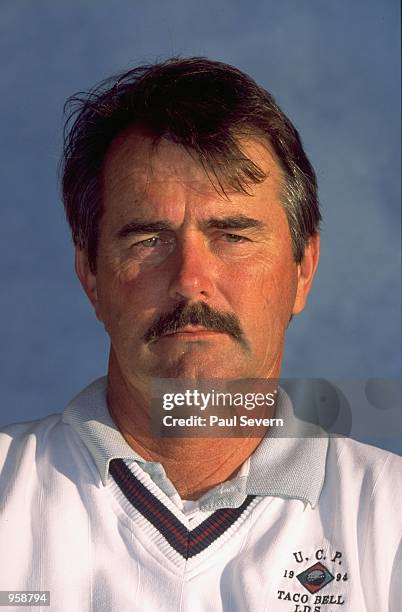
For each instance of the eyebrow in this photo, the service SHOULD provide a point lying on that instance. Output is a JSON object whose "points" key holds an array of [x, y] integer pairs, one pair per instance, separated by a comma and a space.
{"points": [[148, 227], [234, 222], [144, 227]]}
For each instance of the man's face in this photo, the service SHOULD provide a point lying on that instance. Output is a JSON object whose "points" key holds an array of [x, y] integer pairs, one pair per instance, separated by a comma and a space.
{"points": [[189, 283]]}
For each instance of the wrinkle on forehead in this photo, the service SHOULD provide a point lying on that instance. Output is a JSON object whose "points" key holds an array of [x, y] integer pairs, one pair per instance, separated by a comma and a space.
{"points": [[136, 160]]}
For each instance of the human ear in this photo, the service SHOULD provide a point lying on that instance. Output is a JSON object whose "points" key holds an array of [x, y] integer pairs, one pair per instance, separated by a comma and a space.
{"points": [[87, 278], [305, 272]]}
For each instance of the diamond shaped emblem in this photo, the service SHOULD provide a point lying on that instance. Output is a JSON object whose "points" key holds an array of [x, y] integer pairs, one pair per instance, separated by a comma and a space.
{"points": [[315, 577]]}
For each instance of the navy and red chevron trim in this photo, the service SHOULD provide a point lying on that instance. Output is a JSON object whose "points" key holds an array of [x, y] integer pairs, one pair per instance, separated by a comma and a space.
{"points": [[186, 543]]}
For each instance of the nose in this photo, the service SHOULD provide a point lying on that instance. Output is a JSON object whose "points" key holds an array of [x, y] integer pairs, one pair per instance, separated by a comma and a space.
{"points": [[193, 274]]}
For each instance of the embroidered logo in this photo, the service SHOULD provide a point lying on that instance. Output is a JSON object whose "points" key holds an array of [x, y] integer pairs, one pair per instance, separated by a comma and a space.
{"points": [[315, 577], [315, 580]]}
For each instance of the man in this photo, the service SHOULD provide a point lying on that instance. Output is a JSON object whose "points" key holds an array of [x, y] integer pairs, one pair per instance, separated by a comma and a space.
{"points": [[194, 213]]}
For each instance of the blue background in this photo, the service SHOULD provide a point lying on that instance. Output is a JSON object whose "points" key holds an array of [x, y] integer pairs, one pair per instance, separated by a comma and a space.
{"points": [[334, 68]]}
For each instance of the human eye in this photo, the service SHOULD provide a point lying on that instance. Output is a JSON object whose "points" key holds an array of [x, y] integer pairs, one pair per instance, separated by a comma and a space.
{"points": [[148, 242], [235, 238], [154, 248]]}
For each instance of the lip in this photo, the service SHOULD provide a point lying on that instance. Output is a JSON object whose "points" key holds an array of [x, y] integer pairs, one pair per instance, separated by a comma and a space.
{"points": [[191, 331]]}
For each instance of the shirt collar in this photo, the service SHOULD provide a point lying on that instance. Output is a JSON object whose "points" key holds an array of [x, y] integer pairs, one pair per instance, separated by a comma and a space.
{"points": [[278, 467]]}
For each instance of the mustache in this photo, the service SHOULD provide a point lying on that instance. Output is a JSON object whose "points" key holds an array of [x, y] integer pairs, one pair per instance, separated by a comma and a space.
{"points": [[197, 313]]}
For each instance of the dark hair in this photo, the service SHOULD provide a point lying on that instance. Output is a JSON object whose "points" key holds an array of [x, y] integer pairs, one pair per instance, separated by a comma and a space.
{"points": [[204, 105]]}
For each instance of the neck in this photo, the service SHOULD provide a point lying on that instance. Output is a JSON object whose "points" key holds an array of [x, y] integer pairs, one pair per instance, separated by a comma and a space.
{"points": [[193, 465]]}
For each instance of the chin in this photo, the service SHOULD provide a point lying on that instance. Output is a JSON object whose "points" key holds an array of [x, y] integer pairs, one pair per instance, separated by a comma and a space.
{"points": [[195, 367]]}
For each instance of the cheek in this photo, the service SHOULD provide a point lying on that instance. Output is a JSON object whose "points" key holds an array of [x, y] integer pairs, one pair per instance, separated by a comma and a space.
{"points": [[127, 303], [111, 309], [265, 293]]}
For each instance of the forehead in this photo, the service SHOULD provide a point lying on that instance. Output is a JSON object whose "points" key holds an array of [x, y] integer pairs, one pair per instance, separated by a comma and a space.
{"points": [[138, 169]]}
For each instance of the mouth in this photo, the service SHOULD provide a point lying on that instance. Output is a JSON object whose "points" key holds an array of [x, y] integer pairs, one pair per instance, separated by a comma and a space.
{"points": [[190, 332]]}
